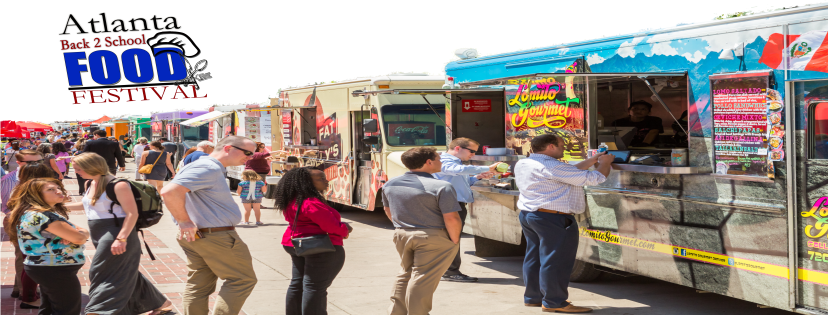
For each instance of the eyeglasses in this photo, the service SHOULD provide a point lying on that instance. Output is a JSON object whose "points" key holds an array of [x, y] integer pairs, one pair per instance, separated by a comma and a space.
{"points": [[246, 152], [470, 150]]}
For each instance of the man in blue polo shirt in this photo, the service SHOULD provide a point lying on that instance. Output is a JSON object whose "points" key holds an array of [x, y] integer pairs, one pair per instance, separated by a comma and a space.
{"points": [[462, 177]]}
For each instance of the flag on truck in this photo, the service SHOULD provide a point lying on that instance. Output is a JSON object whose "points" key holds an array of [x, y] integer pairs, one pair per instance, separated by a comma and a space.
{"points": [[807, 51]]}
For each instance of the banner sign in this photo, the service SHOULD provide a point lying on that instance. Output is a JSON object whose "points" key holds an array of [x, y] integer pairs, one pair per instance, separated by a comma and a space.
{"points": [[476, 106]]}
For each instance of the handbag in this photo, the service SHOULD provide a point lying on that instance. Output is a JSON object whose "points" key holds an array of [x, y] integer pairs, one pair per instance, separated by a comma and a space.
{"points": [[309, 245], [147, 169]]}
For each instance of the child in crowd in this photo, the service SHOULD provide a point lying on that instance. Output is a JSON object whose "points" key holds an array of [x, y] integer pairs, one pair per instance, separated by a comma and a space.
{"points": [[251, 191]]}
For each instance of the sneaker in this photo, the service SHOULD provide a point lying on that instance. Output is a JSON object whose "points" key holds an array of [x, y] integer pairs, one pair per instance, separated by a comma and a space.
{"points": [[569, 308], [244, 223], [259, 223], [459, 278]]}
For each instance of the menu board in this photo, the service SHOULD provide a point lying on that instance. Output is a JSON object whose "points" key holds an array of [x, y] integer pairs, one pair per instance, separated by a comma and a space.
{"points": [[747, 125]]}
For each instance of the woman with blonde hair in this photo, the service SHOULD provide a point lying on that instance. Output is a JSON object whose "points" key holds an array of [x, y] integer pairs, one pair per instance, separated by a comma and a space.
{"points": [[160, 161], [115, 283], [137, 152], [53, 246]]}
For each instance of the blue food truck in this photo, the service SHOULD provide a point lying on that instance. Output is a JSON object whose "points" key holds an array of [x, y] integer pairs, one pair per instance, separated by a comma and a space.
{"points": [[720, 132]]}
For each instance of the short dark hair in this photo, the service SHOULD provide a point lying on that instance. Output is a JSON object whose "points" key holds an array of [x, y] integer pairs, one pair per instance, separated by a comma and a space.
{"points": [[540, 143], [157, 144], [461, 142], [415, 158], [648, 105], [163, 139], [100, 133]]}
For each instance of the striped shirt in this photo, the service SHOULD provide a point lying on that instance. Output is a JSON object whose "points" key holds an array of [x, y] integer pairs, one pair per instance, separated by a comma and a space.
{"points": [[546, 183], [7, 184]]}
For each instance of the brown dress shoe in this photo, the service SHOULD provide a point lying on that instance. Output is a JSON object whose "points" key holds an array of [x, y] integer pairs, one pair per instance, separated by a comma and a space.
{"points": [[568, 309]]}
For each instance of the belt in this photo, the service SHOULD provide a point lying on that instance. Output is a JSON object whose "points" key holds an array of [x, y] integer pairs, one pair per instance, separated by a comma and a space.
{"points": [[553, 211], [217, 229]]}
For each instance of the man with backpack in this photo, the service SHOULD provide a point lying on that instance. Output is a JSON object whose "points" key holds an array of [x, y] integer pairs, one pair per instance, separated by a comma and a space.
{"points": [[200, 201]]}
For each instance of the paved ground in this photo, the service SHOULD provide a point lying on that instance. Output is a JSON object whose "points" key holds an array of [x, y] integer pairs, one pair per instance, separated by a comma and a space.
{"points": [[365, 282]]}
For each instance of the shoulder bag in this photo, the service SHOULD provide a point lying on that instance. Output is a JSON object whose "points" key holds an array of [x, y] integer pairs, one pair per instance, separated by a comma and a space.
{"points": [[309, 245], [147, 169]]}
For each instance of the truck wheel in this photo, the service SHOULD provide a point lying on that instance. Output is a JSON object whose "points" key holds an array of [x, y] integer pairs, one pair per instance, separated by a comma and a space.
{"points": [[484, 247], [584, 272]]}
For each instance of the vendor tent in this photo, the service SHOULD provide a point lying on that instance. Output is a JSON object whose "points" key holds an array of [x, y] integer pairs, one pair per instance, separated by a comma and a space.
{"points": [[96, 121], [9, 129]]}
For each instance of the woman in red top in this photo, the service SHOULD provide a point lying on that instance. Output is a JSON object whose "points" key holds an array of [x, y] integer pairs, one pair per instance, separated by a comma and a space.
{"points": [[312, 275], [259, 161]]}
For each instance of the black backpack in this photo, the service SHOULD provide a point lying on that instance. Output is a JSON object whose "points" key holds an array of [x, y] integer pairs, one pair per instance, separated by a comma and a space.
{"points": [[148, 200]]}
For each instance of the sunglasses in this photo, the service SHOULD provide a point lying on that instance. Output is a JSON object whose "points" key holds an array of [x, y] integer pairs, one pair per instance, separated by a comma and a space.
{"points": [[246, 152], [470, 150]]}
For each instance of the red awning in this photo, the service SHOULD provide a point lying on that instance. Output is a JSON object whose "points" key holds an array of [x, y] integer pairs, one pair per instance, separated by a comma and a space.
{"points": [[33, 126], [9, 129], [97, 121]]}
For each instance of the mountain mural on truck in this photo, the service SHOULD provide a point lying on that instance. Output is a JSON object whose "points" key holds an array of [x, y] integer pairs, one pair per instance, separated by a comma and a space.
{"points": [[698, 72]]}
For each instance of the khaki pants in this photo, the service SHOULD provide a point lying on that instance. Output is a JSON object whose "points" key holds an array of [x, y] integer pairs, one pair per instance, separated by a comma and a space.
{"points": [[218, 255], [426, 254]]}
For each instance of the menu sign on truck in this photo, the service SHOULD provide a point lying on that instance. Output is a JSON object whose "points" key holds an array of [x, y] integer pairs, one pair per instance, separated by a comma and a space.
{"points": [[745, 129]]}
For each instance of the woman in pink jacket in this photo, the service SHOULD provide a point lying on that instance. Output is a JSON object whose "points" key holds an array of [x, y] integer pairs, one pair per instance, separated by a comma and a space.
{"points": [[312, 275]]}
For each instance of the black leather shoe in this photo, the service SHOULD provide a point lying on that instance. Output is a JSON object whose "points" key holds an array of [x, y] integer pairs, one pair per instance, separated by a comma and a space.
{"points": [[25, 305], [459, 278], [15, 294]]}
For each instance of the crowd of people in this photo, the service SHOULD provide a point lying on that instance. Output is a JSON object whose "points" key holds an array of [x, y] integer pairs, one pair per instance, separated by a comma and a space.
{"points": [[427, 206]]}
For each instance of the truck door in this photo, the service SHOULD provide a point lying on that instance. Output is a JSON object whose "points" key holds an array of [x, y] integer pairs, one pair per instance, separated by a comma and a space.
{"points": [[361, 152], [811, 99]]}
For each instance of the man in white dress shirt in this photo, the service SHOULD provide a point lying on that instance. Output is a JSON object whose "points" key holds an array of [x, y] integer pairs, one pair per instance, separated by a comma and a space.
{"points": [[462, 176], [552, 191]]}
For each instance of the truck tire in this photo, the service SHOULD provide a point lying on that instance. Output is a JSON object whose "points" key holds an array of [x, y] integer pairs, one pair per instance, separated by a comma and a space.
{"points": [[484, 247], [584, 272]]}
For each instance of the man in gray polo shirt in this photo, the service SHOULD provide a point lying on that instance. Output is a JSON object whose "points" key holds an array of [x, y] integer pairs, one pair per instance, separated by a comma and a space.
{"points": [[424, 212], [200, 202]]}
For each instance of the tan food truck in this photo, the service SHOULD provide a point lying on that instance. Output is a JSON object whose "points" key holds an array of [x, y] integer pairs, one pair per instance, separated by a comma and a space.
{"points": [[357, 140]]}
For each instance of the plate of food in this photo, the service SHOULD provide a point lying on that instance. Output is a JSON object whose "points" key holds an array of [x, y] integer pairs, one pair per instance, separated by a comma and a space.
{"points": [[777, 155], [773, 95], [775, 118], [775, 106], [775, 143], [777, 131]]}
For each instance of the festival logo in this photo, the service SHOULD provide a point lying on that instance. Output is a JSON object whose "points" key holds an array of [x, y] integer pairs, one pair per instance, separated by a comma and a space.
{"points": [[131, 67], [800, 50]]}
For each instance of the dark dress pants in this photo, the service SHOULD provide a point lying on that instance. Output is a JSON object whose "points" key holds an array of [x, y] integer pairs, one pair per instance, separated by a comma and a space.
{"points": [[551, 245], [454, 269], [59, 287], [307, 293]]}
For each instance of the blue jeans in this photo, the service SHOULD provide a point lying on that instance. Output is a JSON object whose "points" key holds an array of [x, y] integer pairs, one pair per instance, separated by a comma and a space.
{"points": [[551, 245]]}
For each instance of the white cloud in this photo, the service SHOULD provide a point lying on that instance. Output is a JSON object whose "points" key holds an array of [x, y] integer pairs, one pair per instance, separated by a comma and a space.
{"points": [[627, 49], [664, 48], [694, 57], [594, 59]]}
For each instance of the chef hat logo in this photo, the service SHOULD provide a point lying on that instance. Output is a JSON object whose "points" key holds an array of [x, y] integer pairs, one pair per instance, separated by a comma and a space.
{"points": [[166, 41]]}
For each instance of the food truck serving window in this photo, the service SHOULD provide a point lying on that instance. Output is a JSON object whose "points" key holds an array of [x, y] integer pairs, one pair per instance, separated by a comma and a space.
{"points": [[414, 125]]}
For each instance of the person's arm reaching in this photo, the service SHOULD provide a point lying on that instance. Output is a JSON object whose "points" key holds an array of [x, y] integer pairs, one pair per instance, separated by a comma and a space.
{"points": [[451, 167], [586, 164], [175, 197], [605, 164]]}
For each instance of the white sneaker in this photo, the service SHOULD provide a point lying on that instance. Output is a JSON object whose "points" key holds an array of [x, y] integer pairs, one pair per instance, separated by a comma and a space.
{"points": [[244, 223]]}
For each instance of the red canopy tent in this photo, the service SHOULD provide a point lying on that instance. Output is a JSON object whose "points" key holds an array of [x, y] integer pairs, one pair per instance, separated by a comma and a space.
{"points": [[33, 126], [9, 129], [96, 121]]}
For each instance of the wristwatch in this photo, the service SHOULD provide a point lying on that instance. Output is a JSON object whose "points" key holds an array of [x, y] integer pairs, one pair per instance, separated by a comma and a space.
{"points": [[121, 239]]}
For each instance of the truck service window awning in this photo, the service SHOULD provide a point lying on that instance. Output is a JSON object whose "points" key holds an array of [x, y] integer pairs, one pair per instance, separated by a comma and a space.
{"points": [[425, 91], [599, 77], [203, 119]]}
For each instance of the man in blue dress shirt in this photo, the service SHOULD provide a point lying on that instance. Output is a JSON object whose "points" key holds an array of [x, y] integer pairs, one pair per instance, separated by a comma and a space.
{"points": [[460, 176]]}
